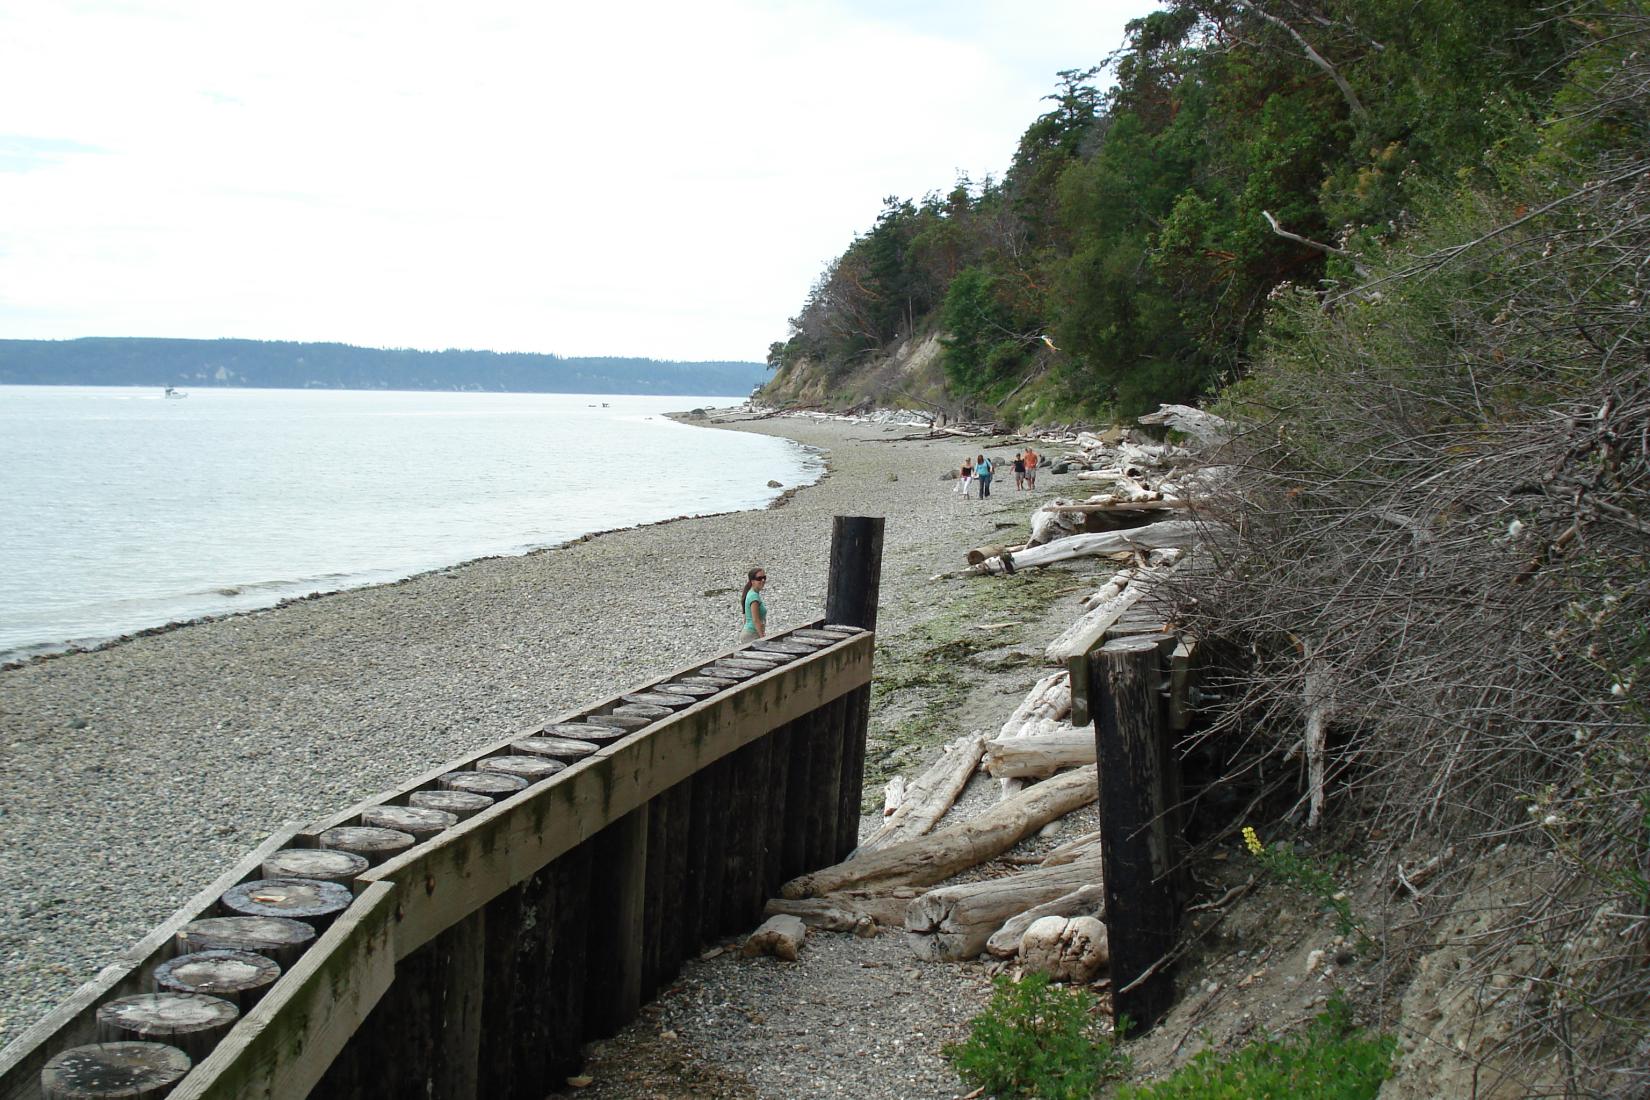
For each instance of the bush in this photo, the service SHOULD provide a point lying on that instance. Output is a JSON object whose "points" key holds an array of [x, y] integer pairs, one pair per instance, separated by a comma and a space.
{"points": [[1036, 1040], [1332, 1061]]}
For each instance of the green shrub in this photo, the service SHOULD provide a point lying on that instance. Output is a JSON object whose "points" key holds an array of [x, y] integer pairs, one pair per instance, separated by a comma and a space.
{"points": [[1036, 1040], [1331, 1061]]}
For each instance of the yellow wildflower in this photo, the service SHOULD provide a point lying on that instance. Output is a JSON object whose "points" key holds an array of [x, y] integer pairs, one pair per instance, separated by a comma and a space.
{"points": [[1251, 840]]}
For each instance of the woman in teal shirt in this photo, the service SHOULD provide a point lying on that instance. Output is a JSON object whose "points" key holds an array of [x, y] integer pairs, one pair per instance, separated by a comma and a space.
{"points": [[756, 609]]}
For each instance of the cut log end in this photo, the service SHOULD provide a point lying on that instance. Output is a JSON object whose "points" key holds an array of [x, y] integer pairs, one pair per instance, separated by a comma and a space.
{"points": [[129, 1070]]}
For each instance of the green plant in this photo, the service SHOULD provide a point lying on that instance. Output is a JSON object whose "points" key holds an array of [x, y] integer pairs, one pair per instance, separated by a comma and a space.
{"points": [[1332, 1060], [1289, 866], [1037, 1040]]}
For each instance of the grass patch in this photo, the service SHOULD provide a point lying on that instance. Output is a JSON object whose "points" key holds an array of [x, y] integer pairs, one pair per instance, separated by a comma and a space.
{"points": [[1332, 1060]]}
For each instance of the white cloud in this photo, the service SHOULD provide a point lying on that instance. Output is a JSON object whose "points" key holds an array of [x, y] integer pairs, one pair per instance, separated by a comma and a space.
{"points": [[647, 178]]}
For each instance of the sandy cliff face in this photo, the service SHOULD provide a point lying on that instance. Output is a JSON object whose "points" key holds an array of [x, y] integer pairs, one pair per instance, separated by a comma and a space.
{"points": [[909, 374]]}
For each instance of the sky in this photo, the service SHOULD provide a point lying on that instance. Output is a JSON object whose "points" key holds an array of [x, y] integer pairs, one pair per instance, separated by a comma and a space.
{"points": [[652, 179]]}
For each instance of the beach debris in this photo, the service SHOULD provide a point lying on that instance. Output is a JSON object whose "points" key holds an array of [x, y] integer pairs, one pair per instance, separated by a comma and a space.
{"points": [[1067, 949], [926, 799], [941, 854], [952, 923], [781, 936]]}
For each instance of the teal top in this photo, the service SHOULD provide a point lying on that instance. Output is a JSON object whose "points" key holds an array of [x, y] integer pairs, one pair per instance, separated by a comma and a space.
{"points": [[754, 597]]}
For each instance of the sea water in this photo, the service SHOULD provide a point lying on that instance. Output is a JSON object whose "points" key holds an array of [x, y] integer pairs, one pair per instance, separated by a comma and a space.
{"points": [[121, 509]]}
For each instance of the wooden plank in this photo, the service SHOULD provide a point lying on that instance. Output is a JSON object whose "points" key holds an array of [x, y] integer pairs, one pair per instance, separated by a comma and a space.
{"points": [[1077, 670], [462, 869], [825, 768], [779, 806], [676, 891], [73, 1022], [280, 1049]]}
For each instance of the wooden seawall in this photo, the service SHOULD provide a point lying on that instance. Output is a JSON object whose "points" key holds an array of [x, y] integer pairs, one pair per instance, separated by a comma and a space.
{"points": [[473, 959]]}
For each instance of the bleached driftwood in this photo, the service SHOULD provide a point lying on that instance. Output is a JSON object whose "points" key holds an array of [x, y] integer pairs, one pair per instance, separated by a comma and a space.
{"points": [[893, 794], [928, 796], [954, 922], [1201, 427], [1039, 757], [980, 553], [1073, 850], [1081, 635], [1040, 714], [1005, 941], [781, 935], [848, 911], [941, 854], [1050, 522], [1048, 701], [1067, 949], [1168, 532]]}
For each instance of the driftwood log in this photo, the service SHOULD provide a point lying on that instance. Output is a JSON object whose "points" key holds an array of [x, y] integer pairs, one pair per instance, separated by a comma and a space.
{"points": [[926, 798], [1039, 757], [1179, 533], [940, 855], [781, 936], [847, 912], [1067, 949], [1005, 941], [955, 922], [1042, 712]]}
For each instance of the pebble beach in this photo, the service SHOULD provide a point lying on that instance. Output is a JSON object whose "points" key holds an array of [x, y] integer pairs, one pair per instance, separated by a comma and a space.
{"points": [[134, 774]]}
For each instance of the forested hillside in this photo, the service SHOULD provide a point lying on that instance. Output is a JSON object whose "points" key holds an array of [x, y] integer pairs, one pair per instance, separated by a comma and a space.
{"points": [[281, 364], [1144, 230]]}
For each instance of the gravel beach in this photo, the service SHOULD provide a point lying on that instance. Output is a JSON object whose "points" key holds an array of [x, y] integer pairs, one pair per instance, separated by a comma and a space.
{"points": [[134, 774]]}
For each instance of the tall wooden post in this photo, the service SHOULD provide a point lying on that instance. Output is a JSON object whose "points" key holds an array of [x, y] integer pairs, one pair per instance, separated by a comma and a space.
{"points": [[856, 571], [1136, 855], [851, 600]]}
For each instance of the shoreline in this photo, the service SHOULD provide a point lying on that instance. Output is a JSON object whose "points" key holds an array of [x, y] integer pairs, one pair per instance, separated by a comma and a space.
{"points": [[46, 651], [140, 769]]}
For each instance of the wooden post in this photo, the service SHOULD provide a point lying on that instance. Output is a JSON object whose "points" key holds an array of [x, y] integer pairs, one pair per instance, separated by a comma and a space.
{"points": [[423, 1038], [827, 733], [676, 896], [856, 571], [618, 888], [745, 845], [855, 709], [851, 600], [1135, 847], [535, 996], [780, 806]]}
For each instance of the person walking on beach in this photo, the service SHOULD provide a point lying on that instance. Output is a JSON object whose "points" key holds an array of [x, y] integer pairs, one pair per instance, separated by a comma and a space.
{"points": [[982, 471], [965, 477], [755, 608], [1019, 471], [1031, 468]]}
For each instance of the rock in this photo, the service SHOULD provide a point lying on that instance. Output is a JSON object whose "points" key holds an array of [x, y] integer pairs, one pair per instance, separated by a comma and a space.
{"points": [[1067, 949], [774, 485], [781, 936]]}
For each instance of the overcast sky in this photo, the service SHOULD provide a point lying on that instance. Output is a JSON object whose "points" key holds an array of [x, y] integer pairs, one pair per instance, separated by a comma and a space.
{"points": [[655, 179]]}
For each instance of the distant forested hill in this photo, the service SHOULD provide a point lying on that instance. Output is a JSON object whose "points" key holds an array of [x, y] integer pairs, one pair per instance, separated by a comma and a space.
{"points": [[124, 361]]}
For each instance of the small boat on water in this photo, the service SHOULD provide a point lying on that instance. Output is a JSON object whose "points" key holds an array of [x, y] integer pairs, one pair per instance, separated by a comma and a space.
{"points": [[173, 393]]}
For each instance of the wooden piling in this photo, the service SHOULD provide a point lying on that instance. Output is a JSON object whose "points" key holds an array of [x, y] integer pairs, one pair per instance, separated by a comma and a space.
{"points": [[1136, 853], [856, 571], [855, 711], [745, 844], [827, 732], [618, 885]]}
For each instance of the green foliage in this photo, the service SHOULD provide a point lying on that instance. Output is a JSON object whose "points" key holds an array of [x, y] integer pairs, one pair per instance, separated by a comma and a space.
{"points": [[1037, 1040], [1286, 865], [1331, 1061]]}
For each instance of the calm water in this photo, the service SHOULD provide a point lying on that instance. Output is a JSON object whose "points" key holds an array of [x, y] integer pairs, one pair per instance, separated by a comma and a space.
{"points": [[121, 510]]}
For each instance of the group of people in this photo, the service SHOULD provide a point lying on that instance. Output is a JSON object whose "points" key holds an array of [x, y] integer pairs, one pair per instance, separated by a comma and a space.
{"points": [[981, 469]]}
